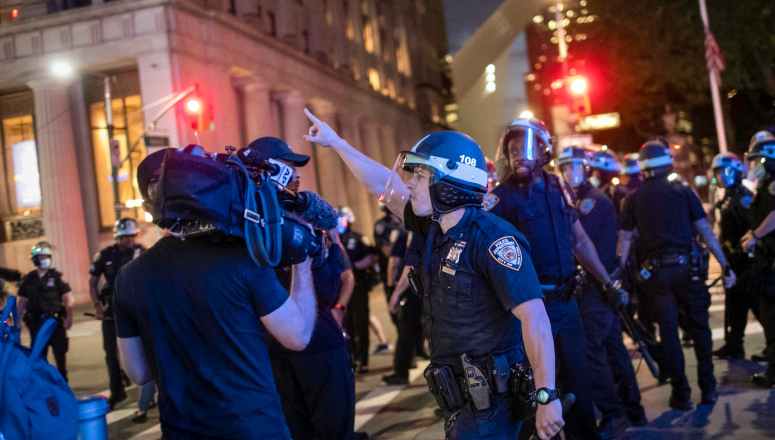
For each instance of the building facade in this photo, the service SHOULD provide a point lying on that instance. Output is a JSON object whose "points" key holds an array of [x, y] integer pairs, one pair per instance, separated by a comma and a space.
{"points": [[372, 68]]}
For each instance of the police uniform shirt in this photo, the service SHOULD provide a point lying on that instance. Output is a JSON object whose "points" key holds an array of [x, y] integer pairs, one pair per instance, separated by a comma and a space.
{"points": [[763, 204], [543, 212], [357, 250], [664, 213], [598, 217], [399, 250], [480, 270], [44, 294], [735, 221], [196, 305], [107, 263]]}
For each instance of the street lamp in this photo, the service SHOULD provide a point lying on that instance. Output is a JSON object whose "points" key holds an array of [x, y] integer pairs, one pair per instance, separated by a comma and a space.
{"points": [[526, 114], [61, 69]]}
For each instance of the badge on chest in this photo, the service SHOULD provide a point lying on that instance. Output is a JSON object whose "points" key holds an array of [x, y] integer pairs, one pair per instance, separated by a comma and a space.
{"points": [[50, 283], [586, 206], [453, 258]]}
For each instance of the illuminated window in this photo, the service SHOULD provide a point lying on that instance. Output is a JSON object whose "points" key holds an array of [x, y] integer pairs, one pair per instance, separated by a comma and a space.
{"points": [[368, 37], [128, 130], [350, 31], [374, 79], [21, 164]]}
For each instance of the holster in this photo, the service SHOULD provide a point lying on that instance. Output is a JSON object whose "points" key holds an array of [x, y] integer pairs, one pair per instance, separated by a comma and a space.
{"points": [[415, 282]]}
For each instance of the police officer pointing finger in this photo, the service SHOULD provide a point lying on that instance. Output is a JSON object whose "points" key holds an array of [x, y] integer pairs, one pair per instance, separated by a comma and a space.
{"points": [[481, 293]]}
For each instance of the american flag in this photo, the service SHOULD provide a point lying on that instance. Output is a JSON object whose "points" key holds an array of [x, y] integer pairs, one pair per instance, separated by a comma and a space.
{"points": [[713, 56]]}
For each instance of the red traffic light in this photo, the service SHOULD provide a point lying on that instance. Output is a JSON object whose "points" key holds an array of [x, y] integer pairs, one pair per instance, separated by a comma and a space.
{"points": [[193, 106], [578, 85]]}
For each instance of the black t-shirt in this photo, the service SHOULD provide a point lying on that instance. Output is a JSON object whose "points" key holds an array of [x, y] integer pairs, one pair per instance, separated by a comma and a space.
{"points": [[664, 213], [327, 278], [196, 305], [44, 293], [108, 262], [357, 250], [480, 270], [399, 250]]}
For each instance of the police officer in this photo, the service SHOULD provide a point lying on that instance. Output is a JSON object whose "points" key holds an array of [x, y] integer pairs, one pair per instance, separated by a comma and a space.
{"points": [[608, 360], [631, 180], [363, 258], [666, 213], [761, 242], [107, 263], [734, 221], [605, 167], [44, 294], [479, 276], [386, 232], [537, 203]]}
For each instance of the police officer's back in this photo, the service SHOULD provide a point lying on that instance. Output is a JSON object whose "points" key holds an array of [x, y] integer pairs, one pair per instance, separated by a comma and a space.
{"points": [[45, 294]]}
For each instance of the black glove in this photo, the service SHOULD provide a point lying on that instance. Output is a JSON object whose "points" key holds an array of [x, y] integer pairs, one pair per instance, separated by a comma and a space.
{"points": [[615, 295]]}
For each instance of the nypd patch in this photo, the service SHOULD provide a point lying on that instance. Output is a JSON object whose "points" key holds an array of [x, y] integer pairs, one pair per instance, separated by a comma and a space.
{"points": [[771, 189], [489, 201], [505, 251], [587, 205]]}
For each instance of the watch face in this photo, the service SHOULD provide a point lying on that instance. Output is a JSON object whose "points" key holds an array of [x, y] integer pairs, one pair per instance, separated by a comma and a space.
{"points": [[542, 396]]}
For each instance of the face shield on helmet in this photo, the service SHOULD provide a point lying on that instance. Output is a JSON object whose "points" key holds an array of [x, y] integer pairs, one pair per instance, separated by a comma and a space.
{"points": [[410, 182], [525, 147], [41, 255], [727, 169], [574, 173]]}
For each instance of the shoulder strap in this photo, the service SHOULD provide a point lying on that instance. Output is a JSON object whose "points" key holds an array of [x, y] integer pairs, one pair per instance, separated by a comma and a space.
{"points": [[42, 338]]}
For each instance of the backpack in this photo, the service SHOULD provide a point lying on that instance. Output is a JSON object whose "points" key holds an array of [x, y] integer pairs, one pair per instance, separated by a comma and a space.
{"points": [[35, 401]]}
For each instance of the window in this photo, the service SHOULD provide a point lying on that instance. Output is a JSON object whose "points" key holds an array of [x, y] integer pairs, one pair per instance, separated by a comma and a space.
{"points": [[128, 130], [374, 79], [21, 164], [368, 36]]}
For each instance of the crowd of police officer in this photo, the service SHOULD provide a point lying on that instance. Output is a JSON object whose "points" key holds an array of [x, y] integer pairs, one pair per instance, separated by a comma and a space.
{"points": [[494, 276]]}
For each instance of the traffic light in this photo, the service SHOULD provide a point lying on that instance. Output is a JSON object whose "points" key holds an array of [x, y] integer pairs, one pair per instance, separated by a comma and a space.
{"points": [[578, 89], [195, 111]]}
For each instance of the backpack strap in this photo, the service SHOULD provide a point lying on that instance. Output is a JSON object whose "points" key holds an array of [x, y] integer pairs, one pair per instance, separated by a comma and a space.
{"points": [[42, 338]]}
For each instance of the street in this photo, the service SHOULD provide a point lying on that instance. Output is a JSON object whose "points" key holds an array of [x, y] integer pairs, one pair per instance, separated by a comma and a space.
{"points": [[403, 413]]}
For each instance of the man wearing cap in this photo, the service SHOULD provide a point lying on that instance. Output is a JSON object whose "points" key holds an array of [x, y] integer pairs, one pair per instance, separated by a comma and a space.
{"points": [[107, 264], [667, 215]]}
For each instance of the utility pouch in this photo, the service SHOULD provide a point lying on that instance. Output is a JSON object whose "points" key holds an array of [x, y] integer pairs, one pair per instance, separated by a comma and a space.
{"points": [[444, 386], [501, 374]]}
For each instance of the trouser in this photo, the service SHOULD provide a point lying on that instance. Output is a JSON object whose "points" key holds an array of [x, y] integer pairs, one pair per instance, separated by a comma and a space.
{"points": [[147, 396], [495, 423], [738, 300], [58, 342], [767, 317], [357, 325], [409, 333], [110, 345], [615, 388], [317, 392], [571, 350], [669, 292]]}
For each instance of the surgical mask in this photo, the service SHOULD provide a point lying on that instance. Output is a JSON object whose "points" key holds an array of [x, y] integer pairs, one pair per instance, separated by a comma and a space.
{"points": [[44, 263], [595, 181], [756, 172]]}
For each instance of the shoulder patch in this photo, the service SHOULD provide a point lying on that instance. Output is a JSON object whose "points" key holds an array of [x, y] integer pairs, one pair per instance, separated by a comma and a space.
{"points": [[771, 188], [746, 201], [379, 228], [587, 205], [506, 252], [489, 201]]}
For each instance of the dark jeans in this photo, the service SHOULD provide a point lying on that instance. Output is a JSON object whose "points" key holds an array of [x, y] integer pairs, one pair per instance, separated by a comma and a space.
{"points": [[317, 392], [409, 332], [669, 292], [357, 325], [495, 423], [571, 350], [58, 342], [110, 345]]}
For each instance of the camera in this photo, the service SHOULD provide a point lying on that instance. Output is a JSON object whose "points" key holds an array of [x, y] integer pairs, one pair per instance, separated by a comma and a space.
{"points": [[191, 193]]}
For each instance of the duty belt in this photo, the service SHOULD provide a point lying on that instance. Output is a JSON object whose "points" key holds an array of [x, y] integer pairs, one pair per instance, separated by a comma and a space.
{"points": [[667, 260], [562, 291]]}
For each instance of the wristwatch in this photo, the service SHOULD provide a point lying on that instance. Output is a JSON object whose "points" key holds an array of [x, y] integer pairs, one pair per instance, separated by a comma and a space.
{"points": [[544, 395]]}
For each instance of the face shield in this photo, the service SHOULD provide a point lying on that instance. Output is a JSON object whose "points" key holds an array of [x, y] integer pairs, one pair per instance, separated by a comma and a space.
{"points": [[574, 173], [756, 170], [409, 182], [726, 176]]}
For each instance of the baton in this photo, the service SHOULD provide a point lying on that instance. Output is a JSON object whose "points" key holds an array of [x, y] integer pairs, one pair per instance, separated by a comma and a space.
{"points": [[642, 346]]}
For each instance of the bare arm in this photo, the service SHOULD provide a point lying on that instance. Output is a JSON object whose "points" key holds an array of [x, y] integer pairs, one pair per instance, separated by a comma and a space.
{"points": [[21, 304], [368, 171], [587, 254], [292, 323], [401, 286], [392, 270], [364, 262], [93, 283], [753, 236], [702, 226], [133, 360], [348, 284], [623, 246]]}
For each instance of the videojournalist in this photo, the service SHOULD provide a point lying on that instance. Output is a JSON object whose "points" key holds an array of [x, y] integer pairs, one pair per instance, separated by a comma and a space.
{"points": [[480, 287], [192, 313], [316, 385]]}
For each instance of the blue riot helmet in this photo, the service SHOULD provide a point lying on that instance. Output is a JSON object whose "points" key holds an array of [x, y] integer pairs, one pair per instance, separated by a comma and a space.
{"points": [[631, 166], [605, 166], [727, 169], [761, 155], [655, 158], [573, 164], [526, 146], [345, 218], [456, 168]]}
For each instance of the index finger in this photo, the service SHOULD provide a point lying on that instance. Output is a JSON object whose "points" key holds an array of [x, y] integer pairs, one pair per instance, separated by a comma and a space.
{"points": [[310, 116]]}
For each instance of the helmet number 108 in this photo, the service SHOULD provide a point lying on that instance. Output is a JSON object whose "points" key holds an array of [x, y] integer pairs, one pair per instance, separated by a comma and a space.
{"points": [[470, 161]]}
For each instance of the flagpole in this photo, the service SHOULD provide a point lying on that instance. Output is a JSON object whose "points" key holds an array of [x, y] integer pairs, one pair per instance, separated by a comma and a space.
{"points": [[714, 90]]}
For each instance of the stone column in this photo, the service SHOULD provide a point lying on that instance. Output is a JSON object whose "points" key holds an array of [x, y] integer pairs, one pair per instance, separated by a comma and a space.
{"points": [[295, 127], [259, 120], [329, 166], [63, 214]]}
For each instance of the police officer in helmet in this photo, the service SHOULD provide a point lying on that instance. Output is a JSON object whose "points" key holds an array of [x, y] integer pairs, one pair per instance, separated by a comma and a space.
{"points": [[538, 204], [734, 221], [107, 264], [631, 180], [761, 241], [605, 167], [667, 214], [44, 294], [479, 281], [608, 360]]}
